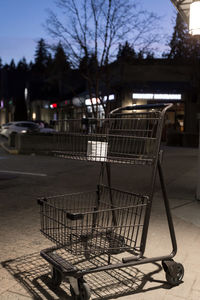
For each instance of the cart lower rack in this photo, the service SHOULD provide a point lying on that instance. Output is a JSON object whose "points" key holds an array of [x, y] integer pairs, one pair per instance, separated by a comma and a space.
{"points": [[104, 221], [94, 224]]}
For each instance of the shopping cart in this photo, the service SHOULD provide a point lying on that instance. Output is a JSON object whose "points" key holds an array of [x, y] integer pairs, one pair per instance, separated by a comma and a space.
{"points": [[107, 221]]}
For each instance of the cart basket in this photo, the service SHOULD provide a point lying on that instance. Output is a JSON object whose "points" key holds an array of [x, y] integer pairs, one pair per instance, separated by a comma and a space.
{"points": [[129, 135]]}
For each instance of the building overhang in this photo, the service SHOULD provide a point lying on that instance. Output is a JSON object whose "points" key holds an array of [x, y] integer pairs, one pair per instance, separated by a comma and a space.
{"points": [[183, 7], [190, 12]]}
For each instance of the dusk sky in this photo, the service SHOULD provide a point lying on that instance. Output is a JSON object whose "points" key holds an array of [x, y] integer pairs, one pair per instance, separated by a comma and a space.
{"points": [[21, 24]]}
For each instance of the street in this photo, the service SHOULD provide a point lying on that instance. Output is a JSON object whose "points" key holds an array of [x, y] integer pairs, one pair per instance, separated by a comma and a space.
{"points": [[24, 178]]}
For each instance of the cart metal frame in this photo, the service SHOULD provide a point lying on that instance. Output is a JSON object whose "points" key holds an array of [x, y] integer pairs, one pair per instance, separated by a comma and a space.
{"points": [[62, 269]]}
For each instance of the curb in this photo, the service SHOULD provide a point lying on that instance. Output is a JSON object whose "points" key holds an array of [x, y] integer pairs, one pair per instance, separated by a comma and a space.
{"points": [[10, 151]]}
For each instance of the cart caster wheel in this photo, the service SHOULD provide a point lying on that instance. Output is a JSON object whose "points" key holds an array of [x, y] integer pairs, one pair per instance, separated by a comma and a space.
{"points": [[74, 296], [84, 291], [174, 272], [56, 277]]}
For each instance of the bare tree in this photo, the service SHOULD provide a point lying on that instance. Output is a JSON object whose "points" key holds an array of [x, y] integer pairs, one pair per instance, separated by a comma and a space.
{"points": [[94, 29]]}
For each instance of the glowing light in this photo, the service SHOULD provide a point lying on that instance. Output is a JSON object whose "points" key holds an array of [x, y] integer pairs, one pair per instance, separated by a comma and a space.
{"points": [[34, 116], [92, 101], [110, 97], [194, 22], [95, 101], [142, 96], [54, 105], [167, 96], [26, 93], [157, 96]]}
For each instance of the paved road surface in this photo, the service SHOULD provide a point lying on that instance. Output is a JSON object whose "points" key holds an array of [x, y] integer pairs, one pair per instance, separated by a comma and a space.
{"points": [[24, 275]]}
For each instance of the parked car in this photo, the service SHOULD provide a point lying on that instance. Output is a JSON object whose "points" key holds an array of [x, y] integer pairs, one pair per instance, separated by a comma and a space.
{"points": [[4, 128], [44, 127], [19, 127]]}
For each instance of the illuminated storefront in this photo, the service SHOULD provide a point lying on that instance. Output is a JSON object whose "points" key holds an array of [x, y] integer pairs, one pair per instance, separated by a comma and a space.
{"points": [[175, 117]]}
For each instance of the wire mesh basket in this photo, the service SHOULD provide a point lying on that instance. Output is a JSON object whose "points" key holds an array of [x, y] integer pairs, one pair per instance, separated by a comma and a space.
{"points": [[122, 138], [103, 221]]}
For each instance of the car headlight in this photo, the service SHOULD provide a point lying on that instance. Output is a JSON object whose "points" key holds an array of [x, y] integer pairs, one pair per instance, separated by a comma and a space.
{"points": [[24, 131]]}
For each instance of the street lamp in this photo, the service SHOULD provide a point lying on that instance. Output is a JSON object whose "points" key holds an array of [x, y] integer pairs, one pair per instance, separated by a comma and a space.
{"points": [[190, 12], [194, 20]]}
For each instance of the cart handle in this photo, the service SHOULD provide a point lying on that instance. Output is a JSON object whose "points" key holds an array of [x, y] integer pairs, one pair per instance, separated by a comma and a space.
{"points": [[144, 106], [75, 216]]}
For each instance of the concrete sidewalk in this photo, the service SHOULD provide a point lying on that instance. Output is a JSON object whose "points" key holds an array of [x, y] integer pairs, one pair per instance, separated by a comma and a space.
{"points": [[25, 275]]}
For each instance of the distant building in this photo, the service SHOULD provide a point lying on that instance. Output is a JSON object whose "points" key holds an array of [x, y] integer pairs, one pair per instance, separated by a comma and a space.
{"points": [[138, 82]]}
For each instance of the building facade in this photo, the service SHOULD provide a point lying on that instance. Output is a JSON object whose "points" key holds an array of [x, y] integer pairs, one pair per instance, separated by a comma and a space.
{"points": [[132, 83]]}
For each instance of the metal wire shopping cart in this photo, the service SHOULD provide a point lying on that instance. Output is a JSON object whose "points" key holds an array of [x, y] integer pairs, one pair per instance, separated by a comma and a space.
{"points": [[107, 221]]}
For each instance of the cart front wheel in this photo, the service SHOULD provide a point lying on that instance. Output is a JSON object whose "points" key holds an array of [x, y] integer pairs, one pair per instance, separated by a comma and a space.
{"points": [[84, 291], [174, 272], [56, 276]]}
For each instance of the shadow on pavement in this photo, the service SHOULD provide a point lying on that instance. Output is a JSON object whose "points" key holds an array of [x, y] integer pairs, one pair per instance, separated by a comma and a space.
{"points": [[34, 274]]}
